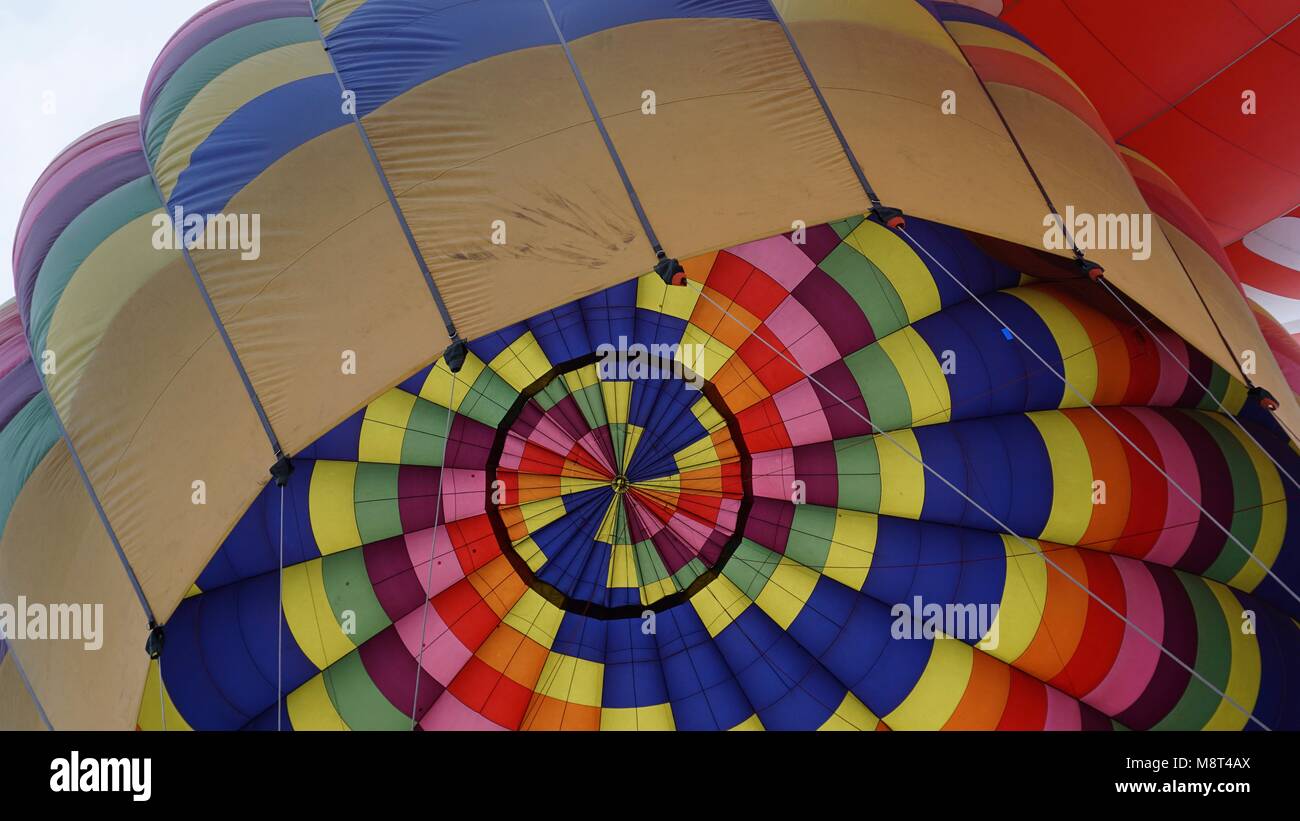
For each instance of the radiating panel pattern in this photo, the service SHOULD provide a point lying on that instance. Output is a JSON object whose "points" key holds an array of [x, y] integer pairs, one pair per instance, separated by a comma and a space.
{"points": [[565, 537]]}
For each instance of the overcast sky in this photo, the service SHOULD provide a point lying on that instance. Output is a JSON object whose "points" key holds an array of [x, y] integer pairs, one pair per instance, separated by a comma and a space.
{"points": [[90, 59]]}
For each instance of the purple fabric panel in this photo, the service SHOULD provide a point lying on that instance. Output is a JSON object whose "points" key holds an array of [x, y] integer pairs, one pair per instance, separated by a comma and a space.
{"points": [[102, 134], [106, 168], [13, 341], [17, 389], [210, 24], [92, 148]]}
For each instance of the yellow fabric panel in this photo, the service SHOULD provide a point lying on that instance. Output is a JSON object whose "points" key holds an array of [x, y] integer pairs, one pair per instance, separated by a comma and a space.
{"points": [[902, 478], [531, 553], [699, 454], [55, 549], [535, 617], [852, 546], [152, 710], [653, 294], [884, 67], [750, 724], [103, 283], [974, 34], [384, 427], [852, 714], [310, 707], [605, 533], [738, 147], [709, 358], [571, 679], [335, 274], [17, 710], [442, 387], [309, 615], [1073, 342], [927, 388], [1071, 478], [523, 149], [787, 590], [622, 567], [331, 506], [719, 604], [906, 271], [227, 93], [334, 12], [939, 690], [1244, 672], [656, 717], [707, 414], [522, 363], [156, 372], [1024, 595], [616, 396]]}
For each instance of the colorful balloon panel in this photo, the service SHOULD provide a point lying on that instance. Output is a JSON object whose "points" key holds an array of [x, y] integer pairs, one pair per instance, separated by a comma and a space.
{"points": [[635, 505], [701, 550]]}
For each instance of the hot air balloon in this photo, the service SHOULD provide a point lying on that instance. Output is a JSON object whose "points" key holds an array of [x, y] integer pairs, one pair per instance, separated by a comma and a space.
{"points": [[559, 364], [1205, 96]]}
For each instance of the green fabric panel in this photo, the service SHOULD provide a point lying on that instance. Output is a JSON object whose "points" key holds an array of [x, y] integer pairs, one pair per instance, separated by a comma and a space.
{"points": [[847, 225], [347, 584], [1248, 517], [487, 400], [84, 234], [1213, 660], [548, 396], [422, 444], [358, 700], [811, 532], [750, 567], [618, 437], [375, 495], [882, 388], [24, 442], [688, 573], [211, 61], [869, 287], [591, 404], [1218, 384], [858, 465], [649, 566]]}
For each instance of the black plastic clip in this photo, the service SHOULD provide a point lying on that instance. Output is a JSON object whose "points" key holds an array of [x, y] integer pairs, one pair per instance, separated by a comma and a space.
{"points": [[670, 270], [154, 644], [281, 469], [1266, 400], [1090, 269], [889, 217], [455, 355]]}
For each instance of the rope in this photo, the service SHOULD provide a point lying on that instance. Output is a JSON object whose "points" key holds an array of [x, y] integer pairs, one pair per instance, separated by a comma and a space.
{"points": [[1119, 298], [604, 135], [1103, 417], [279, 629], [1033, 547], [428, 582]]}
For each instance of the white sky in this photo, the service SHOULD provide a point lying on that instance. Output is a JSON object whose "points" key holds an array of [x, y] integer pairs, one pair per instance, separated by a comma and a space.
{"points": [[93, 57]]}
